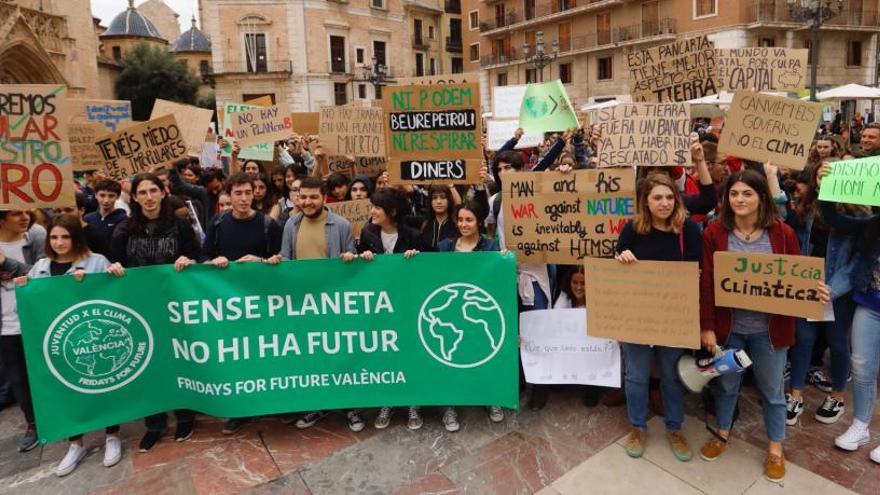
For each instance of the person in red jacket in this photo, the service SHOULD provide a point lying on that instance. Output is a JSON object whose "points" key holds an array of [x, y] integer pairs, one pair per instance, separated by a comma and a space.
{"points": [[748, 222]]}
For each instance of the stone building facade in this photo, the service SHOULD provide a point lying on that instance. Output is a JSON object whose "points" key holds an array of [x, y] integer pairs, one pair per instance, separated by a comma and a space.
{"points": [[594, 37]]}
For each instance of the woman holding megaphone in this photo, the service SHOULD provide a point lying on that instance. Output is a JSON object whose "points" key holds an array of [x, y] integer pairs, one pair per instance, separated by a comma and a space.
{"points": [[748, 222], [659, 231]]}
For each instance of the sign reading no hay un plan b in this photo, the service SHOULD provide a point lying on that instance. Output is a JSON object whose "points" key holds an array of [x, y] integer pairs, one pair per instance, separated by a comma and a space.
{"points": [[254, 339], [434, 133]]}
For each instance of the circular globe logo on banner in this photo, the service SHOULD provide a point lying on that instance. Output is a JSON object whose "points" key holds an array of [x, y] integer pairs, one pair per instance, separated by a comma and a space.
{"points": [[461, 325], [98, 346]]}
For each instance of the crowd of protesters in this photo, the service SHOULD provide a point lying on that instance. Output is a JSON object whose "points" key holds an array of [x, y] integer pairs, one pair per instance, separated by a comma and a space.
{"points": [[256, 212]]}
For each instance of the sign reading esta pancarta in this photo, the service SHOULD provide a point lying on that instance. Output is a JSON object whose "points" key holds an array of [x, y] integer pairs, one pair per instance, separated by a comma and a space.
{"points": [[253, 339]]}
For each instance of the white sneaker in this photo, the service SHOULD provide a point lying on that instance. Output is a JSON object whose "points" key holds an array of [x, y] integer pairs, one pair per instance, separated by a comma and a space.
{"points": [[875, 454], [74, 454], [112, 451], [853, 438]]}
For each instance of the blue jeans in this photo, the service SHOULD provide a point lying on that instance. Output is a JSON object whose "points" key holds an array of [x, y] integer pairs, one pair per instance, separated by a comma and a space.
{"points": [[638, 359], [865, 361], [838, 342], [768, 366]]}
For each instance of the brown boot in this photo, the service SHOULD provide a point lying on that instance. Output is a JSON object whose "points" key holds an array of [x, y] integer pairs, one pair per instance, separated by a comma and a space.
{"points": [[635, 444], [713, 449], [774, 468]]}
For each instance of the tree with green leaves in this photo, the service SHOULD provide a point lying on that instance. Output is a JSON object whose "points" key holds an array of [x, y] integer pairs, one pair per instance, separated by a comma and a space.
{"points": [[151, 72]]}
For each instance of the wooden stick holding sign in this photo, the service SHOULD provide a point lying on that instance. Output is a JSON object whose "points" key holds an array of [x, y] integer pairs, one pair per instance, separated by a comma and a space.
{"points": [[550, 217], [770, 283], [434, 133], [644, 134], [142, 147], [649, 302], [770, 129]]}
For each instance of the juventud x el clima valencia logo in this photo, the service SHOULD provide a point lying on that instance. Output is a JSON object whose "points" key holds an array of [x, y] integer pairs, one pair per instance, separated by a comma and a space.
{"points": [[461, 325], [97, 346]]}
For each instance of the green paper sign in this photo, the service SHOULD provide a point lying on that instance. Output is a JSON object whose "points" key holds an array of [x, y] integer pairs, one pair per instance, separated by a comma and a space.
{"points": [[853, 181], [253, 339], [545, 108]]}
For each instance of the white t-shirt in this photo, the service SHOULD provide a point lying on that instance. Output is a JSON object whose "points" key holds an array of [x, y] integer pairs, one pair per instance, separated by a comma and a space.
{"points": [[388, 242], [11, 326]]}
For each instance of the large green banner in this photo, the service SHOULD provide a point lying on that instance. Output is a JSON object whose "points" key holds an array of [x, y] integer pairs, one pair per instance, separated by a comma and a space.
{"points": [[251, 339]]}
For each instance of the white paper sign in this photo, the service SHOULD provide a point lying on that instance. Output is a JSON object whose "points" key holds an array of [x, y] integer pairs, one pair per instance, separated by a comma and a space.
{"points": [[555, 349], [499, 132], [506, 101]]}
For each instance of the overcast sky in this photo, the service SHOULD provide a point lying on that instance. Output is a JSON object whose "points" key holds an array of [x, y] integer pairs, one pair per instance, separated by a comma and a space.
{"points": [[106, 10]]}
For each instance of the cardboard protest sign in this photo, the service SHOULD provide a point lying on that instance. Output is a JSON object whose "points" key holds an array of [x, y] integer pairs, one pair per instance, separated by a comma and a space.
{"points": [[644, 134], [261, 151], [194, 122], [649, 302], [853, 181], [499, 132], [434, 133], [464, 77], [89, 120], [555, 350], [306, 123], [357, 212], [770, 129], [142, 147], [262, 101], [507, 101], [352, 131], [770, 283], [35, 161], [761, 68], [260, 125], [351, 166], [678, 71], [551, 217], [546, 107]]}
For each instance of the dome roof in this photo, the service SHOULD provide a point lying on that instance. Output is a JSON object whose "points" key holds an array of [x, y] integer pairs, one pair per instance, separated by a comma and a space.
{"points": [[192, 40], [130, 22]]}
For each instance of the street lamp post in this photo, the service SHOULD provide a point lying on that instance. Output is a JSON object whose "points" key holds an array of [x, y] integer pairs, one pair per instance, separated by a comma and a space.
{"points": [[540, 58], [814, 13], [377, 75]]}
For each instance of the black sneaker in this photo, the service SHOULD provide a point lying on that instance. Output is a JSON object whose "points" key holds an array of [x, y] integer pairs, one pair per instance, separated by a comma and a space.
{"points": [[149, 439], [310, 419], [818, 379], [233, 425], [793, 410], [355, 421], [184, 431], [832, 410], [28, 440]]}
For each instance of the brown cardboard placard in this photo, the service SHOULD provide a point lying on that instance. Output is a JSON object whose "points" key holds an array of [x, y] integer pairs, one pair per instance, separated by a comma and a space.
{"points": [[194, 122], [770, 129], [306, 123], [260, 125], [262, 101], [771, 283], [550, 217], [35, 161], [434, 133], [356, 211], [142, 147], [681, 70], [352, 131], [464, 77], [761, 68], [89, 120], [649, 302], [644, 134]]}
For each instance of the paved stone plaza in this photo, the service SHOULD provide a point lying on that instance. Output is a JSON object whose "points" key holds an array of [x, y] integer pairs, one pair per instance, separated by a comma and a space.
{"points": [[564, 449]]}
